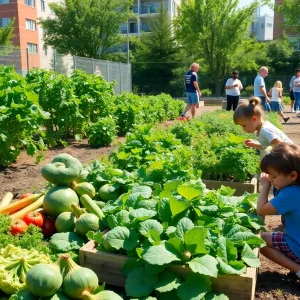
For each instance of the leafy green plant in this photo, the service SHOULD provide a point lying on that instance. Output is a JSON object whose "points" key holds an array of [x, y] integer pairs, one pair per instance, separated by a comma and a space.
{"points": [[20, 118], [102, 133], [183, 132], [206, 92]]}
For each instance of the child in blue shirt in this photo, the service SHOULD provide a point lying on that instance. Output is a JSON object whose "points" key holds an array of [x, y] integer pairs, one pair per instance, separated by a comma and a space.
{"points": [[281, 169]]}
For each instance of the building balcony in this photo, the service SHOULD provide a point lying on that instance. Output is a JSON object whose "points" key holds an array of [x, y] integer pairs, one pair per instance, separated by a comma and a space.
{"points": [[145, 10]]}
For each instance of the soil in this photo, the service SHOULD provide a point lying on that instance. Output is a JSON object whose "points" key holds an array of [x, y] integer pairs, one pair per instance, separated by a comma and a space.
{"points": [[24, 176]]}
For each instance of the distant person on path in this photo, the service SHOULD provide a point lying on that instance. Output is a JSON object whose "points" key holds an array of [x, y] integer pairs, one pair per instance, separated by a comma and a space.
{"points": [[296, 90], [250, 115], [292, 98], [192, 90], [233, 89], [281, 169], [276, 99], [260, 88]]}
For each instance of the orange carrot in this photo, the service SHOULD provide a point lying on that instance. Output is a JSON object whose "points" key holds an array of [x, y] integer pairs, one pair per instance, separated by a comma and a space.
{"points": [[6, 199], [15, 206], [31, 207]]}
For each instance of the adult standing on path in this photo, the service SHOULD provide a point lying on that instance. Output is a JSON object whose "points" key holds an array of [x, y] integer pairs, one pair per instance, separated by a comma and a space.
{"points": [[296, 90], [292, 94], [192, 89], [260, 88], [233, 89]]}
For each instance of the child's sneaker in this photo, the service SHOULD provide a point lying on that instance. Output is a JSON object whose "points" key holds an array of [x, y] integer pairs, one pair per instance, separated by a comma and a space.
{"points": [[182, 115], [292, 110], [286, 119]]}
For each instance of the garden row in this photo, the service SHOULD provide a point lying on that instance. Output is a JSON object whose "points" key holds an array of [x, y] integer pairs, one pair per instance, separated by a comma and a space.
{"points": [[46, 108]]}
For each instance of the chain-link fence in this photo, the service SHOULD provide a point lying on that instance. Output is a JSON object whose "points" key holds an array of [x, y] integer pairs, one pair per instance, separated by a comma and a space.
{"points": [[24, 60]]}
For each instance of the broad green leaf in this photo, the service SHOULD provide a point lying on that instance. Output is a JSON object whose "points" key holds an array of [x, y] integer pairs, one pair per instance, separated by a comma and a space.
{"points": [[226, 191], [226, 250], [142, 214], [194, 240], [147, 204], [132, 264], [249, 257], [178, 206], [121, 237], [195, 287], [144, 191], [205, 265], [167, 282], [184, 225], [240, 238], [154, 269], [177, 244], [235, 267], [172, 295], [159, 255], [164, 210], [172, 185], [170, 231], [188, 192], [146, 226], [139, 283], [120, 218]]}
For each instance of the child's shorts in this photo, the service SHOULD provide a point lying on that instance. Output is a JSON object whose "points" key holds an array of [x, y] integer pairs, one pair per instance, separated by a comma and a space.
{"points": [[280, 244]]}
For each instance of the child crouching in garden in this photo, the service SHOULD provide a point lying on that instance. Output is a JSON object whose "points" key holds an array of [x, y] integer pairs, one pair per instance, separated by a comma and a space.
{"points": [[281, 168]]}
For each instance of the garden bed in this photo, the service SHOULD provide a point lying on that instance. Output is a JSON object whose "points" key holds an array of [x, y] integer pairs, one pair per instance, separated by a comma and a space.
{"points": [[240, 187], [108, 267]]}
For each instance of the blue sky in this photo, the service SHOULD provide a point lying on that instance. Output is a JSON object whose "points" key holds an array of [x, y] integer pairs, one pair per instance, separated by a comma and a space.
{"points": [[264, 10]]}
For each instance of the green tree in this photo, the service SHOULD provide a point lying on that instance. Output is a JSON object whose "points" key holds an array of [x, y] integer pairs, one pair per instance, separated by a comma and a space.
{"points": [[86, 28], [156, 56], [215, 31], [6, 34], [289, 9]]}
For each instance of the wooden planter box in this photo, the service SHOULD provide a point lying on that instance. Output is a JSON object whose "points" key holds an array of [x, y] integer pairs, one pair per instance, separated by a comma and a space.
{"points": [[108, 268], [240, 187]]}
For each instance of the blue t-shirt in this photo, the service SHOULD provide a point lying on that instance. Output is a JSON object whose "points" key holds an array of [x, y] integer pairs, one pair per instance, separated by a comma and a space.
{"points": [[189, 79], [287, 203], [258, 82]]}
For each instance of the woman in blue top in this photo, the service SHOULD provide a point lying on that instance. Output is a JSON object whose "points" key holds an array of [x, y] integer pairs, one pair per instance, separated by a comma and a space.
{"points": [[281, 168]]}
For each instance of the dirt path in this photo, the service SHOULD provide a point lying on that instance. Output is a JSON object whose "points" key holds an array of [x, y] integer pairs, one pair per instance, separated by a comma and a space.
{"points": [[24, 176]]}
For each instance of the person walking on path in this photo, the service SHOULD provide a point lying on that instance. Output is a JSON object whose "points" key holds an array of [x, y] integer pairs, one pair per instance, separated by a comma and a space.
{"points": [[276, 98], [296, 90], [192, 90], [233, 89], [281, 168], [260, 88], [249, 115], [292, 97]]}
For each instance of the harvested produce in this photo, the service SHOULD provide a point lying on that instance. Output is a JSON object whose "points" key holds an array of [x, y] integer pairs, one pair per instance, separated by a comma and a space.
{"points": [[18, 227], [44, 280], [35, 218], [15, 262], [104, 295], [31, 207], [77, 280], [84, 188], [25, 196], [59, 199], [110, 192], [91, 207], [65, 222], [13, 207], [6, 199], [49, 227], [63, 169]]}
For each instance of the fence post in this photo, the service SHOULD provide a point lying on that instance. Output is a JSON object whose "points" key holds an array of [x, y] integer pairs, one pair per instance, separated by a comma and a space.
{"points": [[54, 60], [74, 62], [27, 60]]}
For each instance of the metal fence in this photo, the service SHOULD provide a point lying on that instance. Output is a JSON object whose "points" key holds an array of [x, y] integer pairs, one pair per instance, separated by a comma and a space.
{"points": [[23, 61]]}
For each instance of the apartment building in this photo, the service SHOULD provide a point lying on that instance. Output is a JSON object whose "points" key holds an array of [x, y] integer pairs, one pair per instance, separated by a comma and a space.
{"points": [[279, 28], [28, 33], [144, 10]]}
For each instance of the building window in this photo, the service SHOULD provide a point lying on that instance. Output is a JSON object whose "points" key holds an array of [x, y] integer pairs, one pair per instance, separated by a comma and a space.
{"points": [[30, 25], [4, 22], [32, 48], [45, 49], [29, 2], [42, 5], [4, 1]]}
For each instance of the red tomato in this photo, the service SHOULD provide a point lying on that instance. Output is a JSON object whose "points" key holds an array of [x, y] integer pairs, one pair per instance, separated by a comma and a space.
{"points": [[18, 227], [25, 196], [34, 218], [49, 227]]}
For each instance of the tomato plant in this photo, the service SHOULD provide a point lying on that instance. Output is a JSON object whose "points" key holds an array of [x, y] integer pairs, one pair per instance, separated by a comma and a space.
{"points": [[34, 218], [18, 227]]}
